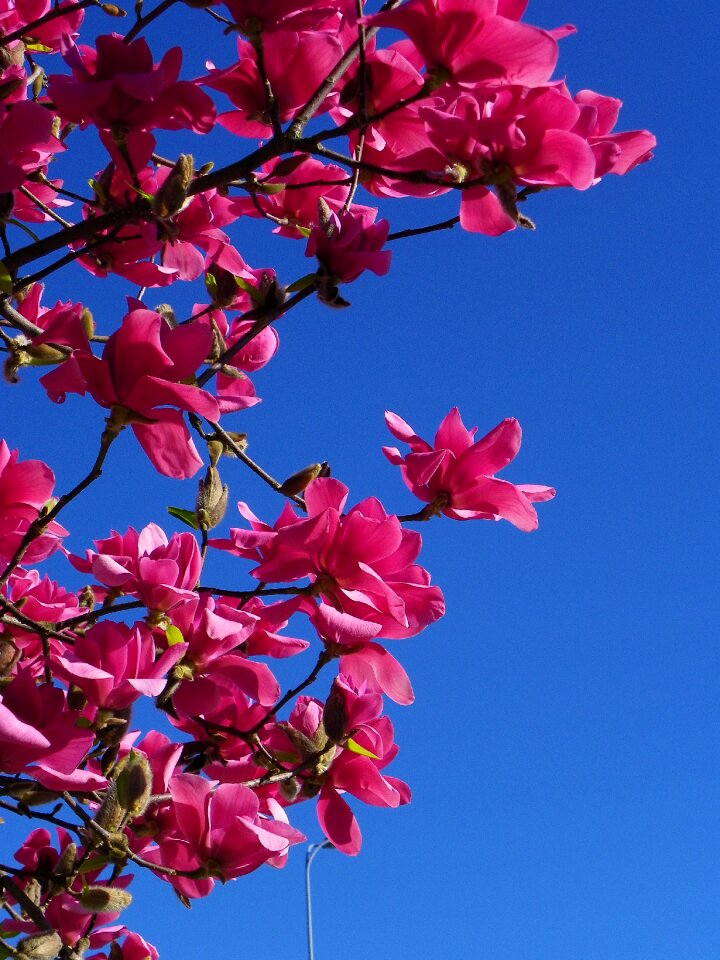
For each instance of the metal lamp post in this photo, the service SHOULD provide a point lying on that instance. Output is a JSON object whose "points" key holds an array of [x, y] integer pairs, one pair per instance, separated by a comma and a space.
{"points": [[312, 851]]}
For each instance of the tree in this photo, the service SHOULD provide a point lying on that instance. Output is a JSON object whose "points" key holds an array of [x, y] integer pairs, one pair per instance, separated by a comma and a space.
{"points": [[424, 98]]}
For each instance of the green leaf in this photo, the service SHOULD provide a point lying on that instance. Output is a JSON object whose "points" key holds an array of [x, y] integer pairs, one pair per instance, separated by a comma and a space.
{"points": [[355, 747], [211, 284], [302, 283], [174, 635], [270, 188], [185, 516], [6, 283], [254, 293]]}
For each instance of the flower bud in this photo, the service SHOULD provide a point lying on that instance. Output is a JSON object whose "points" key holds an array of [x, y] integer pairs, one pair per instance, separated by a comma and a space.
{"points": [[64, 869], [40, 946], [33, 891], [43, 355], [239, 439], [298, 481], [9, 656], [290, 789], [212, 500], [111, 812], [112, 10], [82, 947], [168, 314], [134, 784], [88, 322], [172, 195], [335, 717], [31, 794], [222, 286], [215, 451], [101, 899]]}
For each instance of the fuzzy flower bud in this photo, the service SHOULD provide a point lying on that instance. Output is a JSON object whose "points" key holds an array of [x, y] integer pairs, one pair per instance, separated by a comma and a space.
{"points": [[134, 784], [102, 899], [298, 481], [212, 500], [172, 195], [40, 946]]}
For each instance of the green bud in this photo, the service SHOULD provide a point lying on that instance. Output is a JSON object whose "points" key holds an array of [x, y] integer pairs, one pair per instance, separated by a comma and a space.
{"points": [[172, 195], [43, 355], [101, 899], [112, 10], [111, 812], [335, 718], [88, 322], [40, 946], [168, 314], [134, 783], [212, 500], [298, 481]]}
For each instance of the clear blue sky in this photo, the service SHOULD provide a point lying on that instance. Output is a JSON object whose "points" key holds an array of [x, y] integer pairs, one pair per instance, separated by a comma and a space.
{"points": [[563, 746]]}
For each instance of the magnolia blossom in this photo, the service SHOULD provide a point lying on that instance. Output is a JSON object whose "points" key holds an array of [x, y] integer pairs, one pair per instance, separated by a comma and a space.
{"points": [[362, 561], [219, 827], [39, 733], [27, 143], [159, 571], [142, 372], [348, 243], [456, 475], [114, 665], [117, 85], [25, 488]]}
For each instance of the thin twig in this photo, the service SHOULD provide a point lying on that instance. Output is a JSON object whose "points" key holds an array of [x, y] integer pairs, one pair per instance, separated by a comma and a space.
{"points": [[142, 22], [45, 208], [431, 228]]}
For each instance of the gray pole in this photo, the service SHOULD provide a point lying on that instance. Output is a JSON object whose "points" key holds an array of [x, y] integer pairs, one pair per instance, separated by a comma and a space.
{"points": [[312, 852]]}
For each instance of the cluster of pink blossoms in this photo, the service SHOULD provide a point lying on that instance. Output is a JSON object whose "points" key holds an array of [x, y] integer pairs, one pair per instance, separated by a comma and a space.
{"points": [[220, 793], [321, 105]]}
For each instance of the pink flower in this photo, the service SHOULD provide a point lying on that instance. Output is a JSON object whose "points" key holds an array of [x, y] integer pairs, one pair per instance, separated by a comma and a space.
{"points": [[118, 86], [25, 488], [296, 64], [350, 745], [44, 601], [467, 41], [361, 561], [144, 371], [290, 190], [614, 152], [513, 136], [216, 636], [115, 665], [19, 13], [27, 143], [220, 828], [365, 662], [348, 243], [158, 571], [38, 731], [456, 475]]}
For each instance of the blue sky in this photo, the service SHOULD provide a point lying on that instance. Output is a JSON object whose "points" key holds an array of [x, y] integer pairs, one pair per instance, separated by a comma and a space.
{"points": [[563, 746]]}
